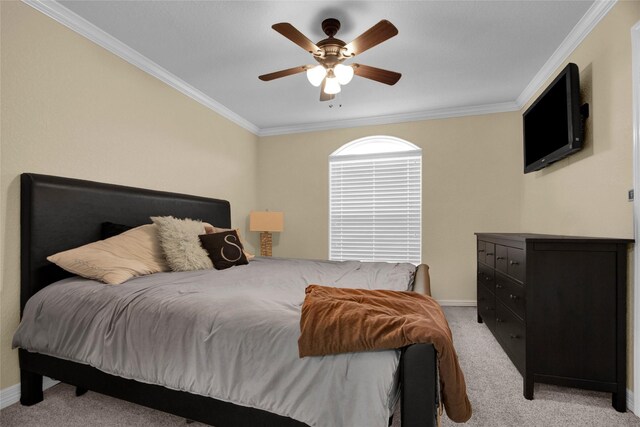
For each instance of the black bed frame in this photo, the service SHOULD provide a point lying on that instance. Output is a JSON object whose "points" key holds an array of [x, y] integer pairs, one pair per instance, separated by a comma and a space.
{"points": [[62, 213]]}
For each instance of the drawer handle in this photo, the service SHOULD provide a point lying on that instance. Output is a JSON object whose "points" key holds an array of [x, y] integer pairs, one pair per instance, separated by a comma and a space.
{"points": [[487, 278], [514, 336], [513, 297], [498, 320], [490, 253], [498, 286], [514, 263], [500, 258], [480, 250]]}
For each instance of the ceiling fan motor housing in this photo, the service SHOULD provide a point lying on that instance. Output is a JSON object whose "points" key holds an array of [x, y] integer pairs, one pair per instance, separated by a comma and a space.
{"points": [[332, 52], [330, 26], [332, 48]]}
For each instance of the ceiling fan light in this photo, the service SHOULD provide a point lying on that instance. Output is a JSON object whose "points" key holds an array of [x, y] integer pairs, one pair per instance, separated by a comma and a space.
{"points": [[331, 87], [316, 74], [344, 73]]}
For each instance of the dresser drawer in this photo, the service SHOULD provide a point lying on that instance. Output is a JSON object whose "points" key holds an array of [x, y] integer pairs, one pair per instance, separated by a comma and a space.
{"points": [[511, 294], [490, 253], [511, 333], [486, 277], [481, 250], [486, 253], [487, 306], [501, 259], [516, 263]]}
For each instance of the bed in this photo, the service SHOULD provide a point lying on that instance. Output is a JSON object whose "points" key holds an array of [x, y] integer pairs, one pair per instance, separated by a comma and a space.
{"points": [[61, 213]]}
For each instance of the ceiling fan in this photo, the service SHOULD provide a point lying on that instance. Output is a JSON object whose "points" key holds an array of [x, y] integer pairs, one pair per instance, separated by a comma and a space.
{"points": [[332, 52]]}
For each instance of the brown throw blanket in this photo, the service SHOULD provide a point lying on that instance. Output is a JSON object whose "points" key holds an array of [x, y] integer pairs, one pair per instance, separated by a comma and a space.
{"points": [[337, 320]]}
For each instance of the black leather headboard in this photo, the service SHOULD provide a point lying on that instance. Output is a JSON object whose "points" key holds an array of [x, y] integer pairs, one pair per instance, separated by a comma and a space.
{"points": [[57, 214]]}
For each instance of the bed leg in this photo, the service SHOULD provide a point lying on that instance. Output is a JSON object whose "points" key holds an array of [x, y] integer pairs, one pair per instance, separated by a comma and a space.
{"points": [[30, 388], [418, 386], [80, 391]]}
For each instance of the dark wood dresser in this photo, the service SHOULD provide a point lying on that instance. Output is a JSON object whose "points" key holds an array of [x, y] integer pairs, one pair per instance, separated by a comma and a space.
{"points": [[557, 306]]}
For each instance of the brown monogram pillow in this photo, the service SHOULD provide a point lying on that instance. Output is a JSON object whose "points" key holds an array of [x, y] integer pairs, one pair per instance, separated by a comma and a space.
{"points": [[225, 249]]}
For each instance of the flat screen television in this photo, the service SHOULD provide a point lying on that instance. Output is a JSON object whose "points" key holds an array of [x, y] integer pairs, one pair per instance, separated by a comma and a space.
{"points": [[553, 123]]}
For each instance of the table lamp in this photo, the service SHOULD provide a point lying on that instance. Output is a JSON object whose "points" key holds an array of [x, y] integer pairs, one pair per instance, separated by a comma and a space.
{"points": [[266, 222]]}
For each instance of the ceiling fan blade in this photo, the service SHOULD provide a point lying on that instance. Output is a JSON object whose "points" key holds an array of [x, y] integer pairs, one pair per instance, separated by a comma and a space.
{"points": [[377, 74], [325, 96], [375, 35], [284, 73], [290, 32]]}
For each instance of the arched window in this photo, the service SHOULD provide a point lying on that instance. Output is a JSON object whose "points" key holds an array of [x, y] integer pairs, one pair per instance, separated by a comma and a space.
{"points": [[375, 201]]}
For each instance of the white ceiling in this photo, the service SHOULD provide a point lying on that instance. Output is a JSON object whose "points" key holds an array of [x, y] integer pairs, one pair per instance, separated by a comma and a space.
{"points": [[453, 55]]}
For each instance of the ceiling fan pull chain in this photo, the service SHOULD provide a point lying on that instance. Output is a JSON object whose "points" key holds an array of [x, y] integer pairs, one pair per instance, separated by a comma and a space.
{"points": [[336, 100]]}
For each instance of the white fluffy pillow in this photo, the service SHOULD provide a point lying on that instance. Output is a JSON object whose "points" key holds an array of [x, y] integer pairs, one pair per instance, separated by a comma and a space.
{"points": [[180, 243]]}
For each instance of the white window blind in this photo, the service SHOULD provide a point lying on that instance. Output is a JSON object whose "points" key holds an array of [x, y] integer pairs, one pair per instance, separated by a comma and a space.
{"points": [[375, 207]]}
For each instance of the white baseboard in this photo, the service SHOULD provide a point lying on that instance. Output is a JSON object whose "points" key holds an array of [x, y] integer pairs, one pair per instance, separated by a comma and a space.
{"points": [[457, 302], [11, 395], [630, 401]]}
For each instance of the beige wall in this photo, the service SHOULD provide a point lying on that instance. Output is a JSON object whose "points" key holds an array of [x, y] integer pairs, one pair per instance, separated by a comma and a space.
{"points": [[71, 108], [472, 170], [586, 194], [471, 179], [472, 173]]}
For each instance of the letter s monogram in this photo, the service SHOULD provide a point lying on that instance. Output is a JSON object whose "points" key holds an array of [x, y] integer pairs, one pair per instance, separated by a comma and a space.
{"points": [[232, 244]]}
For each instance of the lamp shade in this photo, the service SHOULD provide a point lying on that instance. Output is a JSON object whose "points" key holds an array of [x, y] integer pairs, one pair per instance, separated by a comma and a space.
{"points": [[266, 221], [316, 74], [331, 87], [344, 73]]}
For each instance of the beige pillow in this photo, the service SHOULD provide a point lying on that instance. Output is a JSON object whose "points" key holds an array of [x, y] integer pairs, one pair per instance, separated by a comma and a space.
{"points": [[210, 229], [180, 243], [136, 252]]}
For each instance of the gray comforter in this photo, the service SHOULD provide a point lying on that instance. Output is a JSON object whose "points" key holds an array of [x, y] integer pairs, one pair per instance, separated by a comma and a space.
{"points": [[229, 334]]}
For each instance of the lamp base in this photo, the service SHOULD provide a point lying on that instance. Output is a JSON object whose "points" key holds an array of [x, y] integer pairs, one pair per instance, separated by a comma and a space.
{"points": [[265, 243]]}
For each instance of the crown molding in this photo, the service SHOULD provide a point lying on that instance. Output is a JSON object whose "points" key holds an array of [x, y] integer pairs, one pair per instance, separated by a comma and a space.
{"points": [[587, 23], [443, 113], [83, 27]]}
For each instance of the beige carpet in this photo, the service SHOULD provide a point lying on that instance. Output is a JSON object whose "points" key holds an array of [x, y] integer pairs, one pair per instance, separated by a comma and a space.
{"points": [[494, 386]]}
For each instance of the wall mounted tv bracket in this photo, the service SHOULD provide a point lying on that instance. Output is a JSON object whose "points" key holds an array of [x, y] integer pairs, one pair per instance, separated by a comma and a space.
{"points": [[584, 111]]}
